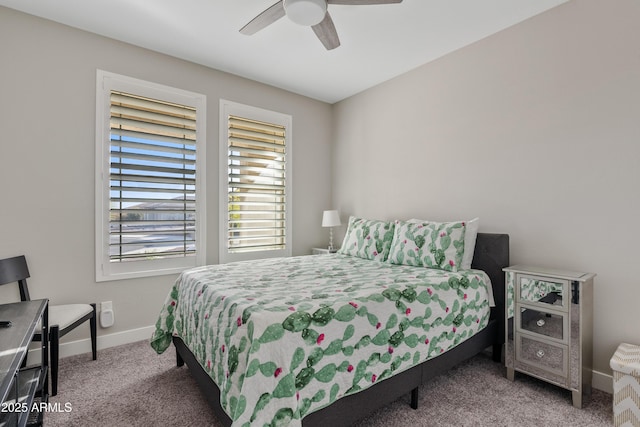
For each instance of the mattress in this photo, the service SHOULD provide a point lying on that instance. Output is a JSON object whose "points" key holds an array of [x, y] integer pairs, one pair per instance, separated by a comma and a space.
{"points": [[284, 337]]}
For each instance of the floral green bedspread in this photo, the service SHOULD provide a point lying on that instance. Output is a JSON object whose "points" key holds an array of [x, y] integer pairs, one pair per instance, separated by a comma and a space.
{"points": [[284, 337]]}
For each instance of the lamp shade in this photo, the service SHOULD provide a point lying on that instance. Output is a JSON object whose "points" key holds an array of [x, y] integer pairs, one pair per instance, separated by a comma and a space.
{"points": [[305, 12], [330, 219]]}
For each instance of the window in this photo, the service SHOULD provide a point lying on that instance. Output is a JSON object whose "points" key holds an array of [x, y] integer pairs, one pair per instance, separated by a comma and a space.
{"points": [[255, 153], [149, 178]]}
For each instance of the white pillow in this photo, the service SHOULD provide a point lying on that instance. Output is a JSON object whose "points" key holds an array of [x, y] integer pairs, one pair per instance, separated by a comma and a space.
{"points": [[470, 235]]}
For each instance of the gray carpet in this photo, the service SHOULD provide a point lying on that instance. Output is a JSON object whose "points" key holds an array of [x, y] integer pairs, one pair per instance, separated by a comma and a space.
{"points": [[132, 386]]}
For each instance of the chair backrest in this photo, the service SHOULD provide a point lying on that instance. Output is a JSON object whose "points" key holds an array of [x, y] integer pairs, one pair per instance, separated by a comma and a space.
{"points": [[14, 270]]}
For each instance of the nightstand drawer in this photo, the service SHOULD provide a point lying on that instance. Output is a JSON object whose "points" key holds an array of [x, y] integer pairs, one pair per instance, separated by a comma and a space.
{"points": [[542, 291], [541, 354], [544, 323]]}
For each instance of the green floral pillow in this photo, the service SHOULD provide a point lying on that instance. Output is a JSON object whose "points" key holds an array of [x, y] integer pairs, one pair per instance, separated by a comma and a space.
{"points": [[368, 239], [437, 245]]}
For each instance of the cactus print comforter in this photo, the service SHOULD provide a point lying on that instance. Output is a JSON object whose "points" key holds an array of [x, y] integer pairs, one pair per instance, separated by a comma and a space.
{"points": [[284, 337]]}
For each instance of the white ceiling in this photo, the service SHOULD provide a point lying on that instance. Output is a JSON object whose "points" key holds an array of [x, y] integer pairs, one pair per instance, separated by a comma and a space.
{"points": [[379, 42]]}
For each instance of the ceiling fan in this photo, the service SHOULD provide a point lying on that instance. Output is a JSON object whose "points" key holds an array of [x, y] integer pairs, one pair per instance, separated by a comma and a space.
{"points": [[311, 13]]}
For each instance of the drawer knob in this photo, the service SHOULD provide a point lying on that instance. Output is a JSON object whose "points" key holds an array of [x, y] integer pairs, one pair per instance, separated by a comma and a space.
{"points": [[540, 354], [540, 322]]}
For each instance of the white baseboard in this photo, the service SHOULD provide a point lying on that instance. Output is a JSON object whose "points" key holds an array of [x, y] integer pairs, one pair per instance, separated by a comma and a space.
{"points": [[104, 341], [600, 380]]}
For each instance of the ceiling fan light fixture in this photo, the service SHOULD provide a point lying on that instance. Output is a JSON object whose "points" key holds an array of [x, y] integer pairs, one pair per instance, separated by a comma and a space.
{"points": [[306, 12]]}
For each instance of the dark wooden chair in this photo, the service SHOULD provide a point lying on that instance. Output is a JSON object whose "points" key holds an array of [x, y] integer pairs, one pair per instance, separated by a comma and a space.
{"points": [[62, 318]]}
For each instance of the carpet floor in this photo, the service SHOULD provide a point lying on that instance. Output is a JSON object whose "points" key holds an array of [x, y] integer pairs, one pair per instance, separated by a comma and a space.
{"points": [[131, 385]]}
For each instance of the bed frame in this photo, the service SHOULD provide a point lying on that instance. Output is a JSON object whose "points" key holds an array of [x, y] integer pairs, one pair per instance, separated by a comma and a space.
{"points": [[491, 255]]}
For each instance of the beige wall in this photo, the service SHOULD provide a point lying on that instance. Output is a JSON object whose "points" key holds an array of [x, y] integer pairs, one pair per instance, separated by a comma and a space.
{"points": [[536, 130], [47, 140]]}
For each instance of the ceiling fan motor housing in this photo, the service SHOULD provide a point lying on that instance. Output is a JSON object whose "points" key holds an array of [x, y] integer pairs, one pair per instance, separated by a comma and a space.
{"points": [[305, 12]]}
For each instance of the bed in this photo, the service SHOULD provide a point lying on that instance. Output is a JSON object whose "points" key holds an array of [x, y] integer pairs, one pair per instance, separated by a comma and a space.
{"points": [[275, 356]]}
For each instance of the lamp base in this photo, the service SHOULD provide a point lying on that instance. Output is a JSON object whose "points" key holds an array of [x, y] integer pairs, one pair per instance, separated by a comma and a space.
{"points": [[330, 240]]}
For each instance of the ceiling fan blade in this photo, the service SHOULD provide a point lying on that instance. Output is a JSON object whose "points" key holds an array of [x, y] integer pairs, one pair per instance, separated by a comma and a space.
{"points": [[363, 2], [327, 33], [268, 17]]}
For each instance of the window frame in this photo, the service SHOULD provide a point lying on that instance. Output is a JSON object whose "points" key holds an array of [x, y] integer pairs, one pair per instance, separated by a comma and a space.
{"points": [[106, 270], [230, 108]]}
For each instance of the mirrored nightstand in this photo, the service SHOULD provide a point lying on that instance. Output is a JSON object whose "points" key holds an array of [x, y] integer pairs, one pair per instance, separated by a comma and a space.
{"points": [[549, 331], [323, 251]]}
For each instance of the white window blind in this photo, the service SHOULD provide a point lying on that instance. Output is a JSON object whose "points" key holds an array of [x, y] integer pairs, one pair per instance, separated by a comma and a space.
{"points": [[257, 192], [149, 178], [152, 178]]}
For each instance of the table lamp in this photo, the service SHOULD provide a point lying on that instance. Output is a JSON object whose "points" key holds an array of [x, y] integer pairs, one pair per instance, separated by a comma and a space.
{"points": [[330, 219]]}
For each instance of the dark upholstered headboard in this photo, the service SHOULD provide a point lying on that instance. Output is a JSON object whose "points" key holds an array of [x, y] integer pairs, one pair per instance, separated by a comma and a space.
{"points": [[492, 255]]}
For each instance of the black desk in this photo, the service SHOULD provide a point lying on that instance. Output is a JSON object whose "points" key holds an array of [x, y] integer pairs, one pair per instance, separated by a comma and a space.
{"points": [[22, 389]]}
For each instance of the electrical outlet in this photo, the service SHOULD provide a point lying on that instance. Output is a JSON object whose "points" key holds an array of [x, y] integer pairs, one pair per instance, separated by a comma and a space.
{"points": [[106, 314]]}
